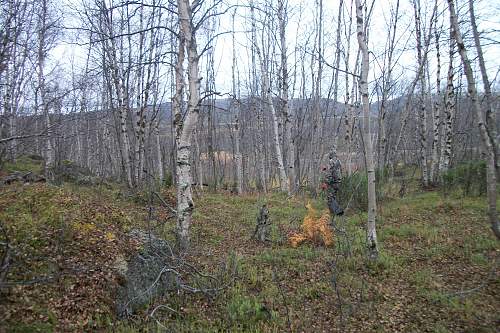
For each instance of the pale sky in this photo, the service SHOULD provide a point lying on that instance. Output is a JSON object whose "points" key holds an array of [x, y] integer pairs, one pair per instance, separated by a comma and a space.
{"points": [[303, 12]]}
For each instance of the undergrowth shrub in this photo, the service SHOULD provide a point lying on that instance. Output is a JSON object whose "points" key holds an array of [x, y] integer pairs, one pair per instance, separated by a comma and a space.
{"points": [[315, 229], [167, 180], [246, 312], [354, 189], [469, 178]]}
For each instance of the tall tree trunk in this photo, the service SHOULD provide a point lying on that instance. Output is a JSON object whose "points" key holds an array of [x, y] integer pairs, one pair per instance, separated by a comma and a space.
{"points": [[256, 110], [436, 112], [422, 115], [115, 79], [371, 232], [185, 203], [42, 34], [449, 112], [285, 111], [489, 150], [199, 160], [277, 145], [159, 157], [238, 160]]}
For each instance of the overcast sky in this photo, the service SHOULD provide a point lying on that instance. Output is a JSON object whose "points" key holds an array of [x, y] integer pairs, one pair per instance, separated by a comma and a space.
{"points": [[302, 19]]}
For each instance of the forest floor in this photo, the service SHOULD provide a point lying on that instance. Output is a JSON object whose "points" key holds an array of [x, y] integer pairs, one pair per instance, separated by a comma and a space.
{"points": [[437, 270]]}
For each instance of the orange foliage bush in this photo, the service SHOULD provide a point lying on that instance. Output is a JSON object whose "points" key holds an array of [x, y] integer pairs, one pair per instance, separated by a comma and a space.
{"points": [[316, 230]]}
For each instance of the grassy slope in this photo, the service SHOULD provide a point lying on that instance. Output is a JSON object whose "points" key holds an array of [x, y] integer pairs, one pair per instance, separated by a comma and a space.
{"points": [[431, 247]]}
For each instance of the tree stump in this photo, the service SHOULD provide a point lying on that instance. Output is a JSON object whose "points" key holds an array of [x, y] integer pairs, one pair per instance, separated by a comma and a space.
{"points": [[261, 232]]}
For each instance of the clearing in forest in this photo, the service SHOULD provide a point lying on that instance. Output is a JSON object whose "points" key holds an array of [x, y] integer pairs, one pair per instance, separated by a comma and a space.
{"points": [[436, 271]]}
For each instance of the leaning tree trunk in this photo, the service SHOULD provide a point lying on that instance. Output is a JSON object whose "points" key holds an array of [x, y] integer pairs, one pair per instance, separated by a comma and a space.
{"points": [[490, 112], [489, 150], [371, 232]]}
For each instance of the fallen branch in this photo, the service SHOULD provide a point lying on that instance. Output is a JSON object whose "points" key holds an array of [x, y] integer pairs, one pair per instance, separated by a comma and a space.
{"points": [[165, 204]]}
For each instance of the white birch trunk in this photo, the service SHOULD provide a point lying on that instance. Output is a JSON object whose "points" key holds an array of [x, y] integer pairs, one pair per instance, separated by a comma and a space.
{"points": [[287, 122], [422, 115], [185, 203], [238, 160], [159, 157], [49, 151], [371, 232], [449, 111], [436, 112], [277, 145]]}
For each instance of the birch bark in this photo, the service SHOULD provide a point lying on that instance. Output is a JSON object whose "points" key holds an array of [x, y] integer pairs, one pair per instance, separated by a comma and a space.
{"points": [[185, 203], [238, 160], [436, 112], [371, 232], [287, 121]]}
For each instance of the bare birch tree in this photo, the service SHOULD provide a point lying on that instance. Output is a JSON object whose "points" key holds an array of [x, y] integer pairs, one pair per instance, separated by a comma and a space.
{"points": [[436, 111], [186, 126], [44, 30], [371, 232], [449, 112], [238, 159], [288, 143]]}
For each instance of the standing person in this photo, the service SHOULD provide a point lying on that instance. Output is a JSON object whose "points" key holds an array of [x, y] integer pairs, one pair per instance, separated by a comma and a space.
{"points": [[331, 181]]}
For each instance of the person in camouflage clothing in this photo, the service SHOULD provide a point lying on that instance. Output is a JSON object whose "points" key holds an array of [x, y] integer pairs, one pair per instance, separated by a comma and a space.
{"points": [[332, 178]]}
